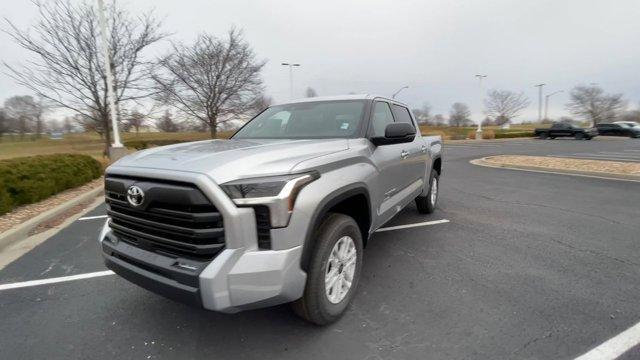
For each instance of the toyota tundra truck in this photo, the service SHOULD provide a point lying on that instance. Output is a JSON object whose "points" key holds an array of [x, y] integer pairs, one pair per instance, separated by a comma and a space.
{"points": [[278, 213]]}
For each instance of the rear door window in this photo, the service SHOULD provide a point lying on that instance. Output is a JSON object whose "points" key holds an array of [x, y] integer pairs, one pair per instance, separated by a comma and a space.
{"points": [[402, 114]]}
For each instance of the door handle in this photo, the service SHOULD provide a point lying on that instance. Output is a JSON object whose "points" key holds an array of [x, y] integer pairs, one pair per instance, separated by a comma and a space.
{"points": [[424, 149], [404, 154]]}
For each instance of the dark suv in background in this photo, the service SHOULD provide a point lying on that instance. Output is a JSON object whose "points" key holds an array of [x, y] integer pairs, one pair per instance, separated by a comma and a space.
{"points": [[566, 130], [618, 129]]}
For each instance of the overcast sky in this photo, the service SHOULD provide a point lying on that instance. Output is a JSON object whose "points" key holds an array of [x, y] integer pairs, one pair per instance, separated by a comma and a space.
{"points": [[435, 47]]}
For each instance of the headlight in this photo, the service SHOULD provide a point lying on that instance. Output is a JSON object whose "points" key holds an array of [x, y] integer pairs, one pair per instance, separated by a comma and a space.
{"points": [[278, 193]]}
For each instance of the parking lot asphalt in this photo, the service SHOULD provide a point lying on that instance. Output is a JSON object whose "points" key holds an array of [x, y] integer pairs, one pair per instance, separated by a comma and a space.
{"points": [[531, 266]]}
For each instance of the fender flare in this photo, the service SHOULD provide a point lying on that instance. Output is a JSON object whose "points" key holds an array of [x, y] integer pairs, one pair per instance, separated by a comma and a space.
{"points": [[322, 209]]}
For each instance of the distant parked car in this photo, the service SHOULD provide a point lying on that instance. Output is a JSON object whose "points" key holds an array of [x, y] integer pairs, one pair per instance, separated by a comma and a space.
{"points": [[566, 130], [618, 129]]}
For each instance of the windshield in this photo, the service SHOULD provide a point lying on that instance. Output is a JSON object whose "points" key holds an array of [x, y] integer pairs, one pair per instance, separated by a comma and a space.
{"points": [[322, 119]]}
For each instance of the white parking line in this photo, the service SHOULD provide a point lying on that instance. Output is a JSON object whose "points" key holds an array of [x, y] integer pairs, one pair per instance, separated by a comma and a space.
{"points": [[615, 346], [426, 223], [55, 280], [92, 217]]}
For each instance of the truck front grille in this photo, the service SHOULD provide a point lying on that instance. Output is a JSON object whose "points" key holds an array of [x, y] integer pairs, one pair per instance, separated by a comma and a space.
{"points": [[174, 219]]}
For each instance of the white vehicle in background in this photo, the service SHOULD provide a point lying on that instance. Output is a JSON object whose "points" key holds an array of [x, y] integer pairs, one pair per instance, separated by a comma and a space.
{"points": [[630, 123]]}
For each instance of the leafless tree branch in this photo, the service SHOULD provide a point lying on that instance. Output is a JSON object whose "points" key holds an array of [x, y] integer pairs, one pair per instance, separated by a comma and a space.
{"points": [[212, 80]]}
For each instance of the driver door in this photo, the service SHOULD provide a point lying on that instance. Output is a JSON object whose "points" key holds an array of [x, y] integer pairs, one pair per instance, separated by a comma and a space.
{"points": [[395, 166]]}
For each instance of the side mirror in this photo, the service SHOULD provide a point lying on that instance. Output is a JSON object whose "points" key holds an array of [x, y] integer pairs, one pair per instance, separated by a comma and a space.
{"points": [[396, 133]]}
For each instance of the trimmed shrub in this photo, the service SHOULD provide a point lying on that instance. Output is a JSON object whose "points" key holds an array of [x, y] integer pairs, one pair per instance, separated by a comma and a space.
{"points": [[486, 134], [30, 179], [145, 144]]}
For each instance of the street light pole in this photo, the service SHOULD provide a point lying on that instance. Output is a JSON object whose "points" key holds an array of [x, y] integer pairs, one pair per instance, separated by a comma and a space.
{"points": [[290, 65], [546, 102], [539, 86], [116, 150], [479, 131], [397, 92]]}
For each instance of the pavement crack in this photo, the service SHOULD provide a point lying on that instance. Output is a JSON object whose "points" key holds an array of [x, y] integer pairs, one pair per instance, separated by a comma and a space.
{"points": [[544, 336]]}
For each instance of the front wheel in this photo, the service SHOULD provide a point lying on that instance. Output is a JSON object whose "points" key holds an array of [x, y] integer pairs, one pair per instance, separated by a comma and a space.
{"points": [[579, 136], [544, 136], [427, 204], [334, 270]]}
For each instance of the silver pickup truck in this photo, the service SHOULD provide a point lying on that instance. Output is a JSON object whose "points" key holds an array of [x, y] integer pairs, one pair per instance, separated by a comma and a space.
{"points": [[279, 213]]}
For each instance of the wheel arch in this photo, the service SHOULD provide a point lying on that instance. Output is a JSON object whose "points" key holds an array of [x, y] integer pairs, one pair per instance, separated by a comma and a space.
{"points": [[437, 165], [348, 200]]}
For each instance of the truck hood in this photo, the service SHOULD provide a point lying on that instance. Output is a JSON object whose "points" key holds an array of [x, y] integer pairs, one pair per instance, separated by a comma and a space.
{"points": [[227, 160]]}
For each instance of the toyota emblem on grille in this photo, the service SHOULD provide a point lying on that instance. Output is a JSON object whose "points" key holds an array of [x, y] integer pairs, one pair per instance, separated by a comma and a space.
{"points": [[135, 195]]}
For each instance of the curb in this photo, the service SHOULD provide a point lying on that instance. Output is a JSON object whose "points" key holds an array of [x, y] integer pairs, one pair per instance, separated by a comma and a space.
{"points": [[593, 174], [22, 230]]}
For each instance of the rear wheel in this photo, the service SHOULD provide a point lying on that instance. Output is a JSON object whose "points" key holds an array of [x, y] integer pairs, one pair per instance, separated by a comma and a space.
{"points": [[427, 204], [579, 136], [334, 270]]}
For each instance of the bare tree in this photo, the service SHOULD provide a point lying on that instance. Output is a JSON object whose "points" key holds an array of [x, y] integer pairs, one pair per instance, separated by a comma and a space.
{"points": [[459, 115], [212, 80], [167, 124], [262, 102], [89, 124], [310, 92], [438, 119], [504, 105], [54, 125], [26, 112], [632, 115], [592, 104], [4, 123], [135, 120], [423, 115], [488, 122], [68, 124], [67, 68]]}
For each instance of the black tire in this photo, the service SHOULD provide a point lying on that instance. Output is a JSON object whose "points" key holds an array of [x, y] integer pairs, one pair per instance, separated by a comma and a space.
{"points": [[425, 204], [314, 306], [552, 137], [579, 136], [544, 135]]}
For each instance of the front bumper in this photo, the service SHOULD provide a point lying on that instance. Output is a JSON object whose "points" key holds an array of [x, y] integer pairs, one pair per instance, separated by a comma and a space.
{"points": [[240, 277]]}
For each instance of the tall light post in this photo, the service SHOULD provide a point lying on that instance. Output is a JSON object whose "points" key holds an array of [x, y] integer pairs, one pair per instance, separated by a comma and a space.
{"points": [[540, 86], [397, 92], [116, 150], [479, 131], [546, 102], [290, 65]]}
